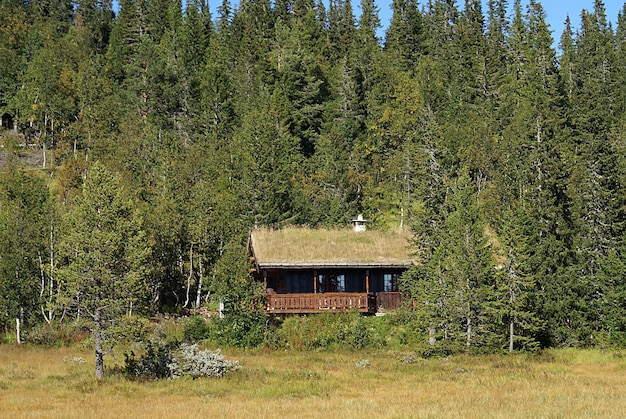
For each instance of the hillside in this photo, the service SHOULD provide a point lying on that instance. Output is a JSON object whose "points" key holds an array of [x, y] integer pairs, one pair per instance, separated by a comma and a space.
{"points": [[184, 131]]}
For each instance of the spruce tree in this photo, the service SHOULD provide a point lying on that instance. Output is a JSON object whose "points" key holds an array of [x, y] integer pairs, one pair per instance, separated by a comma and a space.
{"points": [[106, 253], [455, 288], [594, 184]]}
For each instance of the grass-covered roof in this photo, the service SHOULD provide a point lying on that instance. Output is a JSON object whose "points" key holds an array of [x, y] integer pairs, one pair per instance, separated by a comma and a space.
{"points": [[301, 247]]}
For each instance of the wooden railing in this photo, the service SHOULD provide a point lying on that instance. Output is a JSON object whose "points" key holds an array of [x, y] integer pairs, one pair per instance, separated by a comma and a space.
{"points": [[388, 300], [321, 302]]}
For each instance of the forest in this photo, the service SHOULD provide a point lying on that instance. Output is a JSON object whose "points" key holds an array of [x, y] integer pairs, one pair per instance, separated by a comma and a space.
{"points": [[140, 145]]}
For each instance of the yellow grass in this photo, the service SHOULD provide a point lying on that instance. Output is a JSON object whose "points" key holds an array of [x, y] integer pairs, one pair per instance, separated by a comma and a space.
{"points": [[562, 384], [321, 245]]}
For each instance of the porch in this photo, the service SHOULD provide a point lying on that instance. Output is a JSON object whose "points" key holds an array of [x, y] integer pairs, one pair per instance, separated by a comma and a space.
{"points": [[366, 302]]}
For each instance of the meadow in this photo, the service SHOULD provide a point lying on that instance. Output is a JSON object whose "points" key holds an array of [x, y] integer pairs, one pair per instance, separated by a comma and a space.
{"points": [[59, 383]]}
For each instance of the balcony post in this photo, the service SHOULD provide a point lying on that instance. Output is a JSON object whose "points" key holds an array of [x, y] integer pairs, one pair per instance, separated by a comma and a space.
{"points": [[367, 281], [264, 280], [314, 282]]}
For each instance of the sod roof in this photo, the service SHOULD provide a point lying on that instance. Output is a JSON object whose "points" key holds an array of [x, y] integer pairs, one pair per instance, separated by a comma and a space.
{"points": [[301, 248]]}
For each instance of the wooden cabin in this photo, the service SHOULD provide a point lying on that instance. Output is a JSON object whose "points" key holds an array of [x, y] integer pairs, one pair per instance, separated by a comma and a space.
{"points": [[314, 270]]}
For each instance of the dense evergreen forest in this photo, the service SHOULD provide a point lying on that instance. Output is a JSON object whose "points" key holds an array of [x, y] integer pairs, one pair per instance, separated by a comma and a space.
{"points": [[140, 146]]}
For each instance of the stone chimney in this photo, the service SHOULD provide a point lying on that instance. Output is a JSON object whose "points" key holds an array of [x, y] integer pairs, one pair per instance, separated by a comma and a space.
{"points": [[359, 223]]}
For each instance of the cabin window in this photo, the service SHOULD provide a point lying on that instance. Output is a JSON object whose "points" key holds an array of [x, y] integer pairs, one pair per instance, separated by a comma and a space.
{"points": [[390, 282], [341, 283], [332, 283]]}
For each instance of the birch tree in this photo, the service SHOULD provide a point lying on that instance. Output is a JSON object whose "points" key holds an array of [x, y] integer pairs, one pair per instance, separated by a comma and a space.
{"points": [[24, 203]]}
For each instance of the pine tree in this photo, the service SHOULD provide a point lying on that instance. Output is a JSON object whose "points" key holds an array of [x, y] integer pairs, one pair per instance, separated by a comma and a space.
{"points": [[107, 254], [594, 185], [530, 175], [404, 38], [516, 281], [93, 22], [455, 289], [14, 34], [268, 158], [566, 61], [341, 28]]}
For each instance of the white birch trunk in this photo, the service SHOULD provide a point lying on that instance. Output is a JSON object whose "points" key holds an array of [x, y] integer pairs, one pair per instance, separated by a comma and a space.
{"points": [[18, 337], [199, 292], [189, 277]]}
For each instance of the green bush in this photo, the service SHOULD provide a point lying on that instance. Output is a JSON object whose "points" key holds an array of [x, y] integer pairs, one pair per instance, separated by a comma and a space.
{"points": [[196, 329], [331, 330], [171, 360], [152, 365], [243, 329], [58, 334]]}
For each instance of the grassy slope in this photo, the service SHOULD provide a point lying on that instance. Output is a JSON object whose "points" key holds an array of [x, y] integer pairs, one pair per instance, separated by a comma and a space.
{"points": [[37, 382], [293, 244]]}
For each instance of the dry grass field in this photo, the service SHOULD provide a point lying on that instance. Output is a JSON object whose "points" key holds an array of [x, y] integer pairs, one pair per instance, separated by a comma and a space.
{"points": [[57, 383]]}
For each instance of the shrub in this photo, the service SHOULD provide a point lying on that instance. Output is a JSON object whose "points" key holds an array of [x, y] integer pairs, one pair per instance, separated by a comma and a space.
{"points": [[197, 329], [243, 329], [58, 334], [193, 362], [131, 329], [355, 333], [152, 365], [171, 360], [331, 330]]}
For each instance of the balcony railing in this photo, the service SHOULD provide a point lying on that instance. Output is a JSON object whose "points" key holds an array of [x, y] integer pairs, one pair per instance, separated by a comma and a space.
{"points": [[333, 301], [388, 300], [321, 302]]}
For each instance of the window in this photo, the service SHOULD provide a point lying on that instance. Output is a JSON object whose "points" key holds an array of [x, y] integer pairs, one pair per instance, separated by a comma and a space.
{"points": [[390, 282], [331, 283], [341, 283]]}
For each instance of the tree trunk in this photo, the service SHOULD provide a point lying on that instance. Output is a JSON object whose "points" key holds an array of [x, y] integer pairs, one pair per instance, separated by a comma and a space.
{"points": [[97, 343], [17, 330], [51, 276], [190, 276], [431, 336], [512, 321], [511, 336], [199, 292], [469, 330]]}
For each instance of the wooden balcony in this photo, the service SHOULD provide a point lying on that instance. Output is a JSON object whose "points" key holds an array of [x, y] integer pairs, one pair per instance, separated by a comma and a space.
{"points": [[388, 300], [333, 301], [321, 302]]}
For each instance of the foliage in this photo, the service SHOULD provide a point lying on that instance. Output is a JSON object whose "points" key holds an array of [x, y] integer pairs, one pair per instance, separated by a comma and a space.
{"points": [[231, 282], [349, 331], [107, 253], [196, 329], [190, 361], [154, 364], [244, 329], [502, 157], [173, 360], [24, 221], [58, 334]]}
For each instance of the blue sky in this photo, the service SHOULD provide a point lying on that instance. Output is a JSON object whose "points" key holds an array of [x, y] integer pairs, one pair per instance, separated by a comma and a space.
{"points": [[556, 11]]}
